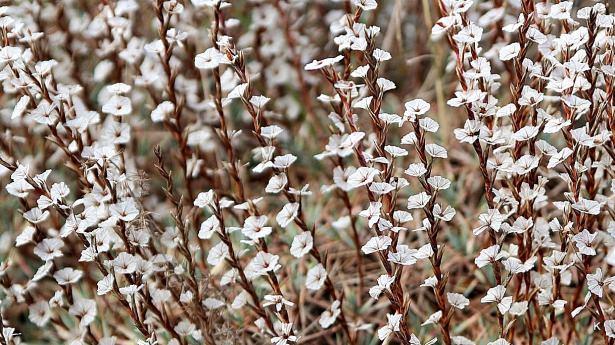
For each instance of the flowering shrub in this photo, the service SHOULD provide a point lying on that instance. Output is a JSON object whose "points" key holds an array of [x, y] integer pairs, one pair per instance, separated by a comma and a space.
{"points": [[179, 172]]}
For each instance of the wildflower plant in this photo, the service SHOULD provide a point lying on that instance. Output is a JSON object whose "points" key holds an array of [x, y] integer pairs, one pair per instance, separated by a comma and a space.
{"points": [[307, 172]]}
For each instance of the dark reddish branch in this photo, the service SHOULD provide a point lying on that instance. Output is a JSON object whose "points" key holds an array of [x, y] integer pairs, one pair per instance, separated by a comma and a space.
{"points": [[432, 233], [259, 121], [224, 130], [396, 297], [175, 127], [482, 154]]}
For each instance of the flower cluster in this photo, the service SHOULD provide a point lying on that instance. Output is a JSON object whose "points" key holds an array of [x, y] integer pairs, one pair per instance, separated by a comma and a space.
{"points": [[306, 172]]}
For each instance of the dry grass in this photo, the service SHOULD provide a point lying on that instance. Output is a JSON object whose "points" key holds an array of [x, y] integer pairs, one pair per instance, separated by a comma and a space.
{"points": [[182, 167]]}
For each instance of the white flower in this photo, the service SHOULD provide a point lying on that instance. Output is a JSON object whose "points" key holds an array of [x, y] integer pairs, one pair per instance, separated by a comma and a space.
{"points": [[526, 133], [42, 271], [530, 97], [395, 151], [493, 219], [184, 328], [581, 307], [287, 214], [510, 51], [276, 183], [210, 59], [238, 91], [469, 34], [105, 285], [162, 111], [469, 133], [429, 124], [213, 303], [262, 264], [44, 113], [458, 340], [217, 254], [285, 161], [596, 281], [391, 326], [67, 276], [328, 317], [409, 139], [418, 201], [205, 199], [457, 300], [403, 255], [379, 54], [316, 65], [488, 255], [278, 301], [49, 248], [210, 3], [560, 11], [84, 310], [125, 263], [498, 294], [36, 215], [360, 72], [609, 328], [416, 169], [130, 291], [254, 227], [285, 330], [39, 313], [240, 300], [366, 5], [119, 88], [19, 188], [9, 53], [519, 308], [20, 107], [26, 236], [302, 244], [520, 225], [365, 102], [209, 227], [506, 110], [384, 283], [559, 157], [117, 105], [186, 296], [587, 206], [316, 277], [83, 120], [500, 341], [125, 210], [439, 182], [272, 131], [259, 101], [362, 176], [436, 151], [525, 164], [376, 244], [59, 191], [415, 108], [442, 26], [465, 97], [372, 213], [515, 266], [583, 241], [433, 318], [381, 188], [446, 215]]}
